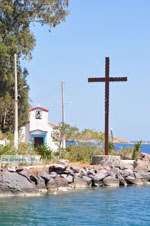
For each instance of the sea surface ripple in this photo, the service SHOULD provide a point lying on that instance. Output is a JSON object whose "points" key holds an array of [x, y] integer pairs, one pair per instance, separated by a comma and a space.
{"points": [[105, 207]]}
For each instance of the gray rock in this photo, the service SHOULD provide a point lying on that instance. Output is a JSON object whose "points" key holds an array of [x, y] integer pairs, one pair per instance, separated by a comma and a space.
{"points": [[91, 173], [111, 173], [88, 180], [126, 173], [74, 169], [145, 176], [133, 180], [137, 175], [80, 183], [145, 156], [25, 173], [45, 176], [69, 179], [122, 181], [39, 181], [141, 165], [103, 171], [97, 181], [110, 181], [19, 169], [58, 168], [64, 162], [53, 174], [55, 183], [115, 170], [99, 176], [15, 183], [83, 172]]}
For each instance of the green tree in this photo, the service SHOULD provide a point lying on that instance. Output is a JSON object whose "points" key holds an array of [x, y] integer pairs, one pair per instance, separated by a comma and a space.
{"points": [[62, 132], [16, 17]]}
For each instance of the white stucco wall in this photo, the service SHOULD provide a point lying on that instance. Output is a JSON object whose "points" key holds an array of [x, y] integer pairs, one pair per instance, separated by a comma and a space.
{"points": [[50, 143], [24, 134], [38, 124]]}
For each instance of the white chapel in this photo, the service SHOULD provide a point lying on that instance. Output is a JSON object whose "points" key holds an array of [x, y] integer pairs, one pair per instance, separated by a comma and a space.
{"points": [[38, 129]]}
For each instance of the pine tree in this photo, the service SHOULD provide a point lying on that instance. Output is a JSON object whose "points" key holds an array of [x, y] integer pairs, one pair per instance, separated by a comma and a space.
{"points": [[16, 17]]}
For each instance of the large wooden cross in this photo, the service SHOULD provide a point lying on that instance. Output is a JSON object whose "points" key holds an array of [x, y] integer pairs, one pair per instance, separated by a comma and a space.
{"points": [[107, 79]]}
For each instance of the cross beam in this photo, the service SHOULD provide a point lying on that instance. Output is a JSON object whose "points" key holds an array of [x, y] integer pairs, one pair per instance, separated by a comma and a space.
{"points": [[107, 79]]}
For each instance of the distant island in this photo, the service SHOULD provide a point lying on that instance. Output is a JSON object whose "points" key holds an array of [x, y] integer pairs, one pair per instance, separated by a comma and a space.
{"points": [[91, 136]]}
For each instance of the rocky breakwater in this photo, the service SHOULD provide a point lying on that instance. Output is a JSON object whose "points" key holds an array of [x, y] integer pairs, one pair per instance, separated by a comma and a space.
{"points": [[63, 177]]}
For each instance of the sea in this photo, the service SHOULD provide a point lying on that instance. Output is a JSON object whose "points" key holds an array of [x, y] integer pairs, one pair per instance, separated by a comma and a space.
{"points": [[125, 206], [128, 206]]}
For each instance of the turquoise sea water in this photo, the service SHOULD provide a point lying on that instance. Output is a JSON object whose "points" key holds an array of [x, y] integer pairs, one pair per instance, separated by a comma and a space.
{"points": [[105, 207]]}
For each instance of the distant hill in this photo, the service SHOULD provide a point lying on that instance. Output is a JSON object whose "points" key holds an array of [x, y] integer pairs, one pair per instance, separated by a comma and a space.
{"points": [[92, 136]]}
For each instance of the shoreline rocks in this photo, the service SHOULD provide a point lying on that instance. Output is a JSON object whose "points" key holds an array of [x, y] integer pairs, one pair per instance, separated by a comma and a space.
{"points": [[64, 177]]}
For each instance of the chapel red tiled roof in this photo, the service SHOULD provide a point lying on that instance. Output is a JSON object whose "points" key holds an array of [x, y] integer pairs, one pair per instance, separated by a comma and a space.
{"points": [[38, 107], [53, 124]]}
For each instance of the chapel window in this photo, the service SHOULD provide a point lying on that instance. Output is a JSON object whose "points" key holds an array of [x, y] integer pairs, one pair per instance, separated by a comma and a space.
{"points": [[38, 114]]}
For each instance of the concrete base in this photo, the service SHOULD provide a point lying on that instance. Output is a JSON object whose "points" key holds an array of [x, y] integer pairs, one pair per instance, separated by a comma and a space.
{"points": [[110, 160]]}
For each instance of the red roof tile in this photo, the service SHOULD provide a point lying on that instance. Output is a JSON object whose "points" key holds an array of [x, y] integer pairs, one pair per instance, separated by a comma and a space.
{"points": [[38, 107]]}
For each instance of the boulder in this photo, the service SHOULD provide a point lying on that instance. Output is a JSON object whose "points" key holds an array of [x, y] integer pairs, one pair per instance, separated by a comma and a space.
{"points": [[15, 183], [69, 179], [145, 156], [141, 165], [145, 176], [133, 180], [137, 175], [103, 171], [88, 180], [11, 168], [57, 168], [74, 169], [110, 181], [83, 172], [80, 183], [91, 172], [97, 180], [45, 176], [122, 181], [64, 162], [19, 169], [25, 173], [127, 172], [99, 176], [53, 174], [54, 183], [39, 181]]}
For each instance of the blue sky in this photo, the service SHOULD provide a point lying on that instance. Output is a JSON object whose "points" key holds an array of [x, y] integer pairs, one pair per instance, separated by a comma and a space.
{"points": [[76, 50]]}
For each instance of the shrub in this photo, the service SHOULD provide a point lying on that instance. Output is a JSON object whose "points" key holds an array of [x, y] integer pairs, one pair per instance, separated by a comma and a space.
{"points": [[136, 150], [44, 152], [81, 153], [126, 153]]}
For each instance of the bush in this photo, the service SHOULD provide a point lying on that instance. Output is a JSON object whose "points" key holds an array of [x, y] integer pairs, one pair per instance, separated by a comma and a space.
{"points": [[126, 153], [81, 153], [8, 149], [44, 152], [136, 150]]}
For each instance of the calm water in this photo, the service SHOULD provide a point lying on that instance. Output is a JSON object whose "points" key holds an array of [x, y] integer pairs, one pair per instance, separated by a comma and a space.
{"points": [[106, 207]]}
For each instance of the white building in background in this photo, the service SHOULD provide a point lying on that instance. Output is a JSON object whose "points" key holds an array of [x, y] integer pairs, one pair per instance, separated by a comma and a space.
{"points": [[38, 130]]}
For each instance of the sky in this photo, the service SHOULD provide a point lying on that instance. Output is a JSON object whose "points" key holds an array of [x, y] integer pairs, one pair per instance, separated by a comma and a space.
{"points": [[76, 49]]}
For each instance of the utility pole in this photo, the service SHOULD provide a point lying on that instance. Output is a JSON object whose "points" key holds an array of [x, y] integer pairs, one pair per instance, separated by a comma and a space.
{"points": [[63, 106], [16, 106], [63, 110]]}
